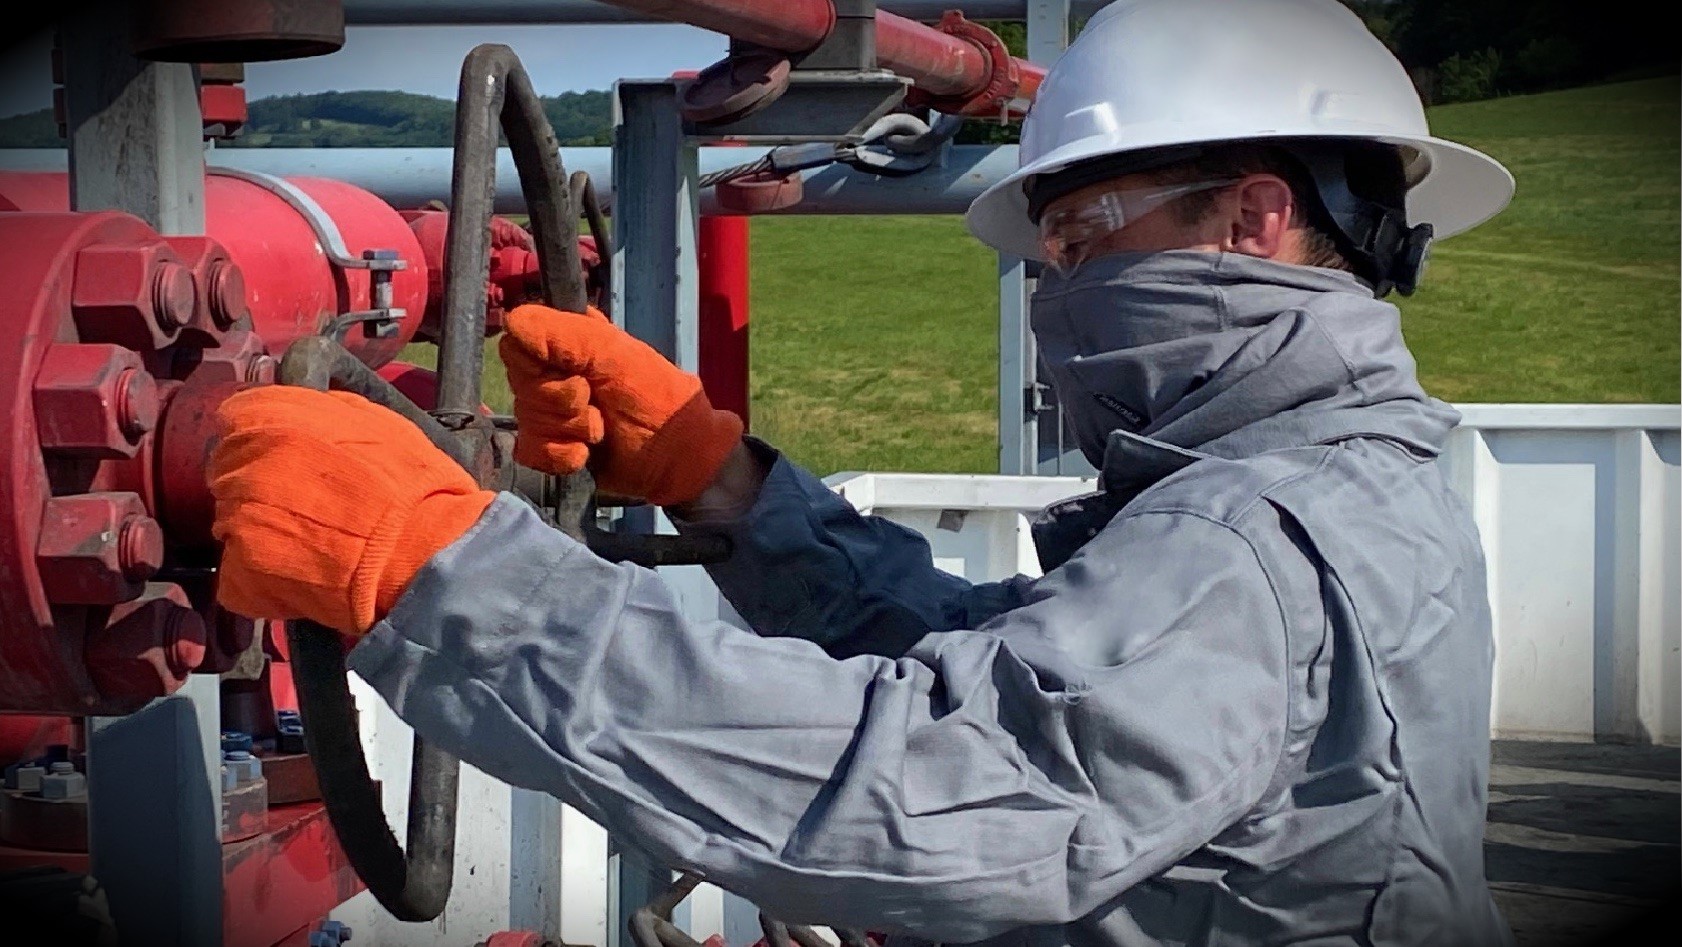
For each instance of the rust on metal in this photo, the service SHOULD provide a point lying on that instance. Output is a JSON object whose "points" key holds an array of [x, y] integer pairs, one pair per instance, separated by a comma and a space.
{"points": [[149, 645], [236, 31]]}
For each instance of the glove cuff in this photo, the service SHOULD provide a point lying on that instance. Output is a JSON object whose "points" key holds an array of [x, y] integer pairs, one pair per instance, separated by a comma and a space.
{"points": [[690, 448], [402, 544]]}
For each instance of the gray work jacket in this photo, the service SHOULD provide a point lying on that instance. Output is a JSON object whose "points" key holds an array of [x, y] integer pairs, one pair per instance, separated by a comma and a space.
{"points": [[1248, 702]]}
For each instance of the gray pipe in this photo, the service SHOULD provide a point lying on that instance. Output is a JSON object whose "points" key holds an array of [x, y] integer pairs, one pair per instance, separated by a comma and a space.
{"points": [[426, 12], [409, 177]]}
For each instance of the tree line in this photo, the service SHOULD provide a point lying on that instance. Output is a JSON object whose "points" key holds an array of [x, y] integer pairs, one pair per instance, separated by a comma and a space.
{"points": [[365, 119]]}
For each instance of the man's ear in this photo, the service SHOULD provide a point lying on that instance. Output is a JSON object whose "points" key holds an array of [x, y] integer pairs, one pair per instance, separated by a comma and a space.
{"points": [[1261, 213]]}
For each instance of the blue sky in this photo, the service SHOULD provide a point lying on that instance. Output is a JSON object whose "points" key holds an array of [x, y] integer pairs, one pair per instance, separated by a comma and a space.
{"points": [[427, 59]]}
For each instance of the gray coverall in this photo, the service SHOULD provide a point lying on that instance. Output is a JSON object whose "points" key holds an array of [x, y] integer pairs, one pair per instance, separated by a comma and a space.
{"points": [[1247, 703]]}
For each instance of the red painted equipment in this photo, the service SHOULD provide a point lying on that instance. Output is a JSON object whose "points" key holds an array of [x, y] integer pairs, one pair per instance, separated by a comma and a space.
{"points": [[237, 30], [109, 358], [958, 66], [292, 284], [722, 261]]}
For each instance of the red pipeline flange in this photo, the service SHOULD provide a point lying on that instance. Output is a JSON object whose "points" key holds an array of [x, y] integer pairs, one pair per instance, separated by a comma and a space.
{"points": [[1004, 76], [115, 348]]}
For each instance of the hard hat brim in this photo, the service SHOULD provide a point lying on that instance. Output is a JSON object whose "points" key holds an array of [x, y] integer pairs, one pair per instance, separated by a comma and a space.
{"points": [[1463, 188]]}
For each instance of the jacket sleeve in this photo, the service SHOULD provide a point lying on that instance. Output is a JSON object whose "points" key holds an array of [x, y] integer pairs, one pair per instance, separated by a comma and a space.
{"points": [[854, 584], [1025, 772]]}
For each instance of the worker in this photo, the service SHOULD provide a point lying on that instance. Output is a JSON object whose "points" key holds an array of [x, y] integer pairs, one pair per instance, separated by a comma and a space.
{"points": [[1248, 700]]}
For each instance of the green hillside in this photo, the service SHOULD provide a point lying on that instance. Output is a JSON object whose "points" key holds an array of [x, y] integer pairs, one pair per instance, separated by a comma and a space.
{"points": [[888, 361], [875, 338], [367, 119]]}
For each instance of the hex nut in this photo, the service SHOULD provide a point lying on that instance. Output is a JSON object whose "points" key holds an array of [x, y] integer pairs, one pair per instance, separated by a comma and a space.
{"points": [[24, 777], [245, 767], [137, 295], [148, 646], [97, 548], [230, 363], [219, 300], [94, 400], [63, 782], [289, 738]]}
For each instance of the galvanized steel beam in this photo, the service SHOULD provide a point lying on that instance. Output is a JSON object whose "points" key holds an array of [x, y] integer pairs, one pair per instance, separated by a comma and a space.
{"points": [[410, 177], [154, 776]]}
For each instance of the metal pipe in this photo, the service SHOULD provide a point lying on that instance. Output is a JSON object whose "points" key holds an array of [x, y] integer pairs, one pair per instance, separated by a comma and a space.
{"points": [[790, 25], [410, 177], [413, 883], [936, 62], [496, 96], [441, 12]]}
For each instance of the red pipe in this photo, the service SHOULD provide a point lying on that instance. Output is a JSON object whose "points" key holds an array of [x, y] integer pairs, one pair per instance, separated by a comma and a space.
{"points": [[938, 63], [790, 25], [722, 262]]}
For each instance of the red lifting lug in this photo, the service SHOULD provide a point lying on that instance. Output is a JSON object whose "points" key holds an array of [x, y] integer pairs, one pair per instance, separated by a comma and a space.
{"points": [[1004, 76]]}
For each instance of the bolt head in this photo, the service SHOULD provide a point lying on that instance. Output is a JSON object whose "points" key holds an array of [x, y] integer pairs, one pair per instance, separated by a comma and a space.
{"points": [[140, 547], [226, 289], [174, 295]]}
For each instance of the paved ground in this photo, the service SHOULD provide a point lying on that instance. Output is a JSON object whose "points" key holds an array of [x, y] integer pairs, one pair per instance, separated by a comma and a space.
{"points": [[1583, 839]]}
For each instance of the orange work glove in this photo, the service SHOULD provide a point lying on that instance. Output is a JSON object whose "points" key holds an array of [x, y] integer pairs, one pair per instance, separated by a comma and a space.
{"points": [[328, 504], [580, 381]]}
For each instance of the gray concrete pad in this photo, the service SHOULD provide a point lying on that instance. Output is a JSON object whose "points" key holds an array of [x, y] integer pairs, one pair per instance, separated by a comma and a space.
{"points": [[1582, 842]]}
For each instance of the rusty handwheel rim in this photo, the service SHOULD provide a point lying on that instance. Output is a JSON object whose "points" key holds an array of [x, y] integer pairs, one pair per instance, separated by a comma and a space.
{"points": [[735, 87]]}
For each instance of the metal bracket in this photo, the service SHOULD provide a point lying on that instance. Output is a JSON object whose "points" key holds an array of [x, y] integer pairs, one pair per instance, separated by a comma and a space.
{"points": [[819, 105], [850, 45], [382, 319], [832, 92]]}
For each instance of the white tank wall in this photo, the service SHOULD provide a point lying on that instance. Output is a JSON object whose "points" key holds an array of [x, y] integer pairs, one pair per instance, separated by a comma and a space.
{"points": [[1579, 511]]}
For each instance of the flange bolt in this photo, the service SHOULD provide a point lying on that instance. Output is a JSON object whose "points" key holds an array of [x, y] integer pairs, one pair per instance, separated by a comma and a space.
{"points": [[174, 295], [140, 548]]}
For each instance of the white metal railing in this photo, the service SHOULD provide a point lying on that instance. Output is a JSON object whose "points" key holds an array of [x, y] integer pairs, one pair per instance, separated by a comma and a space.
{"points": [[1578, 509]]}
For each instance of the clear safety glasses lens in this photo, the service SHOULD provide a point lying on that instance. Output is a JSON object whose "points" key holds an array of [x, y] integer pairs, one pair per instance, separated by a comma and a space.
{"points": [[1068, 236]]}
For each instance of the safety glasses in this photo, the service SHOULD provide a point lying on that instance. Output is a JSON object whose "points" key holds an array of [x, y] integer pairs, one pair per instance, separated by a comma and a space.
{"points": [[1069, 236]]}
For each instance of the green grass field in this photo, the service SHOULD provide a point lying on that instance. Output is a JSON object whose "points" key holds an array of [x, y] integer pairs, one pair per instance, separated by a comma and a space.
{"points": [[875, 340]]}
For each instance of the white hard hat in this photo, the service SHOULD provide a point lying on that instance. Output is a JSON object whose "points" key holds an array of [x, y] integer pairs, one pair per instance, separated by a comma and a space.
{"points": [[1147, 74]]}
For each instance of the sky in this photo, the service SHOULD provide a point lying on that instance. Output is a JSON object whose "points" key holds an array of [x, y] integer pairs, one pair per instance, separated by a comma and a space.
{"points": [[426, 59]]}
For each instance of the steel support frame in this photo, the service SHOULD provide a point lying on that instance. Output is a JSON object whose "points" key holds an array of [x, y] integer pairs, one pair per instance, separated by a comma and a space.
{"points": [[1031, 435], [154, 776], [654, 297]]}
